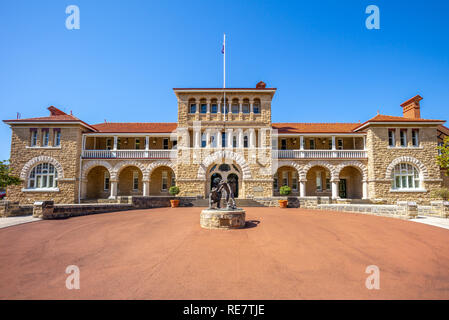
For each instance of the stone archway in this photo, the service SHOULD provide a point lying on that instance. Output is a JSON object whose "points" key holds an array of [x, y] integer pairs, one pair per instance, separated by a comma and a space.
{"points": [[225, 171], [38, 160], [218, 156]]}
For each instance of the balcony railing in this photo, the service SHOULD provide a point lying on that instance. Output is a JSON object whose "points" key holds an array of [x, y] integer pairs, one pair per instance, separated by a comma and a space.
{"points": [[319, 154], [129, 154]]}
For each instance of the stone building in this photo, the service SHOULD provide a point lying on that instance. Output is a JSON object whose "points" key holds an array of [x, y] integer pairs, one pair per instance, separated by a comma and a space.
{"points": [[226, 133]]}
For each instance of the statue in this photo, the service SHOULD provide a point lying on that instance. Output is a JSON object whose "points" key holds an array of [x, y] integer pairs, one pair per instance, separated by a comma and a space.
{"points": [[216, 193]]}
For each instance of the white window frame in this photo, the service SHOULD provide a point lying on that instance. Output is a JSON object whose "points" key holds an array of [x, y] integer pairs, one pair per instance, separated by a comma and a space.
{"points": [[106, 181], [137, 143], [45, 138], [405, 177], [165, 144], [312, 145], [294, 181], [392, 137], [403, 137], [339, 144], [33, 138], [135, 180], [319, 181], [164, 180], [43, 176], [284, 178], [415, 137], [57, 138]]}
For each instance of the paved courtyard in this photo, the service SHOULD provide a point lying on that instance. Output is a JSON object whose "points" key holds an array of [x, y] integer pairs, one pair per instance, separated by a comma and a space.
{"points": [[283, 254]]}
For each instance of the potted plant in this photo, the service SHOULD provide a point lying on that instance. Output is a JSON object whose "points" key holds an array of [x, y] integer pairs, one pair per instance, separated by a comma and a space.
{"points": [[174, 190], [284, 191]]}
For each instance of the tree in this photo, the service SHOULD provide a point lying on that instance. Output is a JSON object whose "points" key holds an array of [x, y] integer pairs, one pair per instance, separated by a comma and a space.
{"points": [[443, 157], [6, 178]]}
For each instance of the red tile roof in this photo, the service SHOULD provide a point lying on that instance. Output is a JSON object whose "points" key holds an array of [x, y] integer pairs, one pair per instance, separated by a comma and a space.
{"points": [[315, 127], [385, 118], [136, 127], [56, 115], [444, 130]]}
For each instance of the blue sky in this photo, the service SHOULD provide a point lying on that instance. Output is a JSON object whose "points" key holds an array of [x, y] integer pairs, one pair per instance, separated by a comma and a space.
{"points": [[123, 62]]}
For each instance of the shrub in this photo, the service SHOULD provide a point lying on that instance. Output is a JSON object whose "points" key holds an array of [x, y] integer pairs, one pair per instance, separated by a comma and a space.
{"points": [[174, 190], [441, 193], [285, 190]]}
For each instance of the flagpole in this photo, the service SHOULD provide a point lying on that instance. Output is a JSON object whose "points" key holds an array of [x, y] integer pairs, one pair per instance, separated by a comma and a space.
{"points": [[224, 76]]}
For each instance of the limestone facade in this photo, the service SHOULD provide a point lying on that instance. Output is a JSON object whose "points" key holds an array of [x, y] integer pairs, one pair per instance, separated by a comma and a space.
{"points": [[228, 134]]}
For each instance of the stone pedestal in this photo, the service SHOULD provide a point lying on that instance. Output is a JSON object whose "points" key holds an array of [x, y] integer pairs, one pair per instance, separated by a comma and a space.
{"points": [[222, 219]]}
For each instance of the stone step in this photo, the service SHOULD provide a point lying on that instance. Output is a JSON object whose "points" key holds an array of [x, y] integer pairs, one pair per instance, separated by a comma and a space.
{"points": [[239, 203]]}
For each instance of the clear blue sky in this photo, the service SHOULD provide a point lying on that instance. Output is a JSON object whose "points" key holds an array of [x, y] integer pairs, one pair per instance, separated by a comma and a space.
{"points": [[128, 55]]}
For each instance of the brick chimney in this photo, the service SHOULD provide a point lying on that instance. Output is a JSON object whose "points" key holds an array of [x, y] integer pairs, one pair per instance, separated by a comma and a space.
{"points": [[261, 85], [411, 108]]}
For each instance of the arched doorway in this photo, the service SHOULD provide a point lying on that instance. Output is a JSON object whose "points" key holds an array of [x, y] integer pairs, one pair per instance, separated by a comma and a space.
{"points": [[130, 181], [350, 185], [98, 183], [224, 171], [233, 180], [318, 182]]}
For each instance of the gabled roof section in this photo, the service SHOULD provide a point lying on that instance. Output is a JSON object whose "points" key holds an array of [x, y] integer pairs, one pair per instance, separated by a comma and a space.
{"points": [[381, 118], [136, 127], [56, 116], [287, 128]]}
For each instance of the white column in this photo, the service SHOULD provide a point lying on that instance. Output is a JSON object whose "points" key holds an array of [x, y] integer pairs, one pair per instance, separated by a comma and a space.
{"points": [[196, 139], [208, 107], [365, 189], [364, 142], [334, 189], [241, 108], [207, 138], [333, 143], [146, 188], [115, 143], [301, 142], [302, 188], [229, 137], [113, 190], [251, 107], [240, 143], [252, 138], [218, 107], [218, 138]]}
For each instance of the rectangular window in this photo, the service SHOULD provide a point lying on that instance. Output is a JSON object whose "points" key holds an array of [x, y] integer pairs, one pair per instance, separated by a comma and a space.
{"points": [[135, 180], [245, 108], [391, 138], [33, 138], [283, 144], [312, 144], [173, 182], [223, 139], [415, 137], [165, 143], [118, 143], [256, 108], [294, 181], [175, 144], [137, 143], [328, 184], [45, 135], [164, 180], [57, 138], [234, 142], [108, 143], [106, 181], [403, 137], [214, 108], [235, 108], [340, 144], [203, 108], [329, 145], [319, 186], [285, 178], [275, 183], [192, 108]]}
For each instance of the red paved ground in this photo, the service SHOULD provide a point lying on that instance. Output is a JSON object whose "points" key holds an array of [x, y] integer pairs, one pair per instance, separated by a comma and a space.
{"points": [[164, 254]]}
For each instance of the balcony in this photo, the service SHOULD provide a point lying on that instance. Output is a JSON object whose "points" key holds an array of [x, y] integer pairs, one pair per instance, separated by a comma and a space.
{"points": [[129, 154], [319, 154]]}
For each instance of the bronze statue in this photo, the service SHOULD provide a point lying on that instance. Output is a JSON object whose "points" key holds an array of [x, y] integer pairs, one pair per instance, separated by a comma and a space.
{"points": [[216, 192]]}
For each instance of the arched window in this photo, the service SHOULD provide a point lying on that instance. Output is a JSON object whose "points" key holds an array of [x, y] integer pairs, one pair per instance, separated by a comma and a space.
{"points": [[245, 142], [405, 176], [43, 176]]}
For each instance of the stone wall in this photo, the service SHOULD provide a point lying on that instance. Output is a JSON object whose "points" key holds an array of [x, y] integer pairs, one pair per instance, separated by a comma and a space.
{"points": [[66, 158], [380, 156], [14, 209]]}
